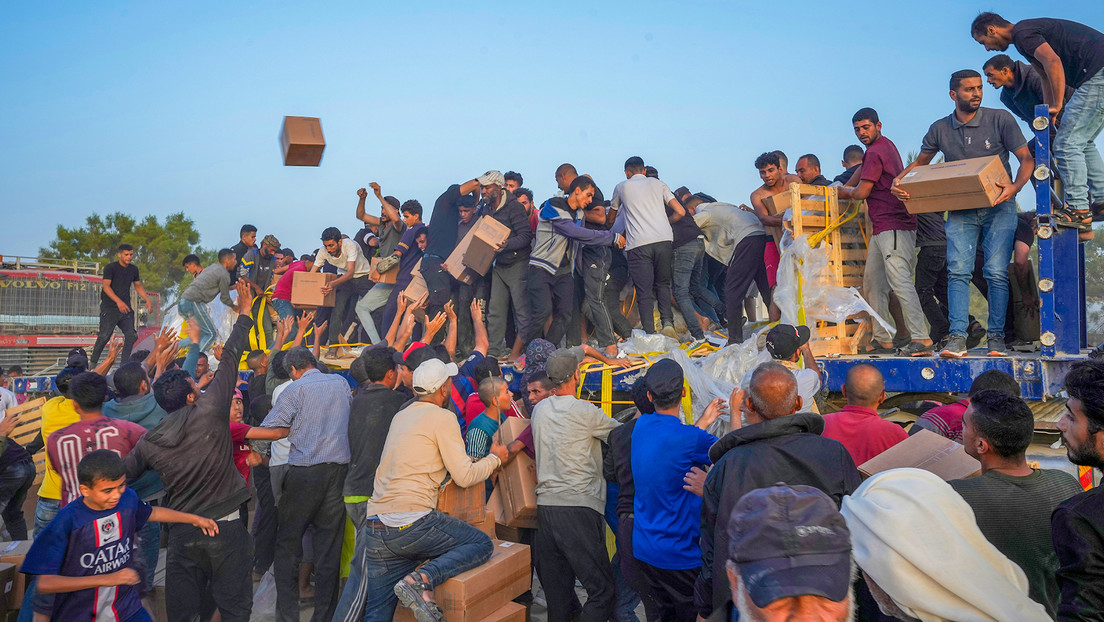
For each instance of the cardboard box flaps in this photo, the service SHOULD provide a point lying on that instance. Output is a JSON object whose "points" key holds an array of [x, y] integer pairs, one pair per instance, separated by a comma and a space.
{"points": [[928, 451], [301, 141], [475, 253], [482, 592], [306, 290], [385, 277], [465, 504], [14, 553], [958, 185], [455, 261]]}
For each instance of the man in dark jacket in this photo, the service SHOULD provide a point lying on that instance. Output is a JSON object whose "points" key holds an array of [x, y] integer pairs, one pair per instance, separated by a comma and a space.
{"points": [[511, 263], [192, 450], [777, 445], [375, 404]]}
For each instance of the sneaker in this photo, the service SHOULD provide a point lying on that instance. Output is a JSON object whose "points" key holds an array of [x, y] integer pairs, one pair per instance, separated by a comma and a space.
{"points": [[669, 331], [695, 343], [977, 331], [914, 348], [996, 346], [955, 348]]}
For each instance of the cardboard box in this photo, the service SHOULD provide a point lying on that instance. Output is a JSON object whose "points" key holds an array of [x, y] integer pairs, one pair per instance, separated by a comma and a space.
{"points": [[455, 261], [306, 290], [301, 141], [510, 612], [386, 277], [488, 524], [925, 450], [13, 553], [483, 592], [7, 586], [777, 204], [465, 504], [518, 480], [963, 184], [487, 234], [416, 292]]}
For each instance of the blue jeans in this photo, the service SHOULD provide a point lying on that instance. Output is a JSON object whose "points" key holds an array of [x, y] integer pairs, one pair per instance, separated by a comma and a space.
{"points": [[995, 227], [15, 481], [384, 555], [283, 307], [690, 294], [196, 312], [1076, 156]]}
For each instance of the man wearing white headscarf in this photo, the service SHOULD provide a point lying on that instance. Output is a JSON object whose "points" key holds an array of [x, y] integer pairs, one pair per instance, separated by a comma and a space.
{"points": [[916, 541]]}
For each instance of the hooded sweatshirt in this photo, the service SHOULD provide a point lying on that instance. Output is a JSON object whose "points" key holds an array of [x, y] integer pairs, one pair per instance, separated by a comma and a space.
{"points": [[143, 410], [191, 447]]}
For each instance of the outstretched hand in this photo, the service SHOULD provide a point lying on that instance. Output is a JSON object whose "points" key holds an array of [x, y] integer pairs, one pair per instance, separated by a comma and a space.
{"points": [[245, 297]]}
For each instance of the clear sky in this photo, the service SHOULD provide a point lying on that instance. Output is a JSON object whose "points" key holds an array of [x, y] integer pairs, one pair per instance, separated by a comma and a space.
{"points": [[163, 107]]}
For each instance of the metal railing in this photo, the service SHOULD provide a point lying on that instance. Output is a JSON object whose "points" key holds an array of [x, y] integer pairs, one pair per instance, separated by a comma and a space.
{"points": [[14, 262]]}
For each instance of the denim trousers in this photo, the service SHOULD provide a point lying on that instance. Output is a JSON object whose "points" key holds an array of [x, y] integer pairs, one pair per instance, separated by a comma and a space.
{"points": [[691, 296], [994, 228], [1076, 156], [375, 298], [15, 481], [196, 312], [283, 307], [384, 555]]}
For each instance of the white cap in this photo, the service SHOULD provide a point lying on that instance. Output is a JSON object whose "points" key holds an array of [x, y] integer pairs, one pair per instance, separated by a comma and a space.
{"points": [[431, 374], [492, 178]]}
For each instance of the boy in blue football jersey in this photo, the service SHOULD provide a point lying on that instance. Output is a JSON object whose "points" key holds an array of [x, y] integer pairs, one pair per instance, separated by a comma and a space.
{"points": [[84, 558]]}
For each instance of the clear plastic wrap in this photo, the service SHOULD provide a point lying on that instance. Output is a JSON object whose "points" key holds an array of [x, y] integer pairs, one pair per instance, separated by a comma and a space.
{"points": [[703, 389], [643, 343]]}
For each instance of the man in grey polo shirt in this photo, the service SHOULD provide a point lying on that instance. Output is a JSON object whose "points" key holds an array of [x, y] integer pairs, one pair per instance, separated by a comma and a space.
{"points": [[974, 132], [649, 239]]}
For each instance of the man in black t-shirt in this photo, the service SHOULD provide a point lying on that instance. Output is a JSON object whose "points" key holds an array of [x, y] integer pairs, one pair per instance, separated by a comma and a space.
{"points": [[1065, 54], [115, 303], [247, 240]]}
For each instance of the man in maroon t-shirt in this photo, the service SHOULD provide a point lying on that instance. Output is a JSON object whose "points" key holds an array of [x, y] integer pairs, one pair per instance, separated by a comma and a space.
{"points": [[946, 420], [891, 254], [281, 294], [68, 445]]}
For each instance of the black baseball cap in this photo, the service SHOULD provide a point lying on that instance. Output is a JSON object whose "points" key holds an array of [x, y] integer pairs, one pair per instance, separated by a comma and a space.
{"points": [[784, 340], [77, 358], [663, 377], [790, 541]]}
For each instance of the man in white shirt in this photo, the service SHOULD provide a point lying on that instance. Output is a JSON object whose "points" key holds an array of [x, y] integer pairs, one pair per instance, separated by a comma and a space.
{"points": [[352, 281], [648, 235]]}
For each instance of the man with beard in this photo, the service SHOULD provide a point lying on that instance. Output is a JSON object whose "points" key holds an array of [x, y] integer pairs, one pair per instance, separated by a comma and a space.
{"points": [[1077, 525], [508, 283], [974, 132]]}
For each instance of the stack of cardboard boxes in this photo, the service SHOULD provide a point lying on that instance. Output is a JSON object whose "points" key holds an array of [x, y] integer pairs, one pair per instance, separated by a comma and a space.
{"points": [[12, 582]]}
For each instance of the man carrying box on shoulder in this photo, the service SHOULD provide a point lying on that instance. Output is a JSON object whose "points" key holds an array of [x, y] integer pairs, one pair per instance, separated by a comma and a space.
{"points": [[423, 445], [975, 132]]}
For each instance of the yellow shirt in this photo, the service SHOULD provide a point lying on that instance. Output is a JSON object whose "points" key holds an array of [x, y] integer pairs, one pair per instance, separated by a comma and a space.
{"points": [[57, 413]]}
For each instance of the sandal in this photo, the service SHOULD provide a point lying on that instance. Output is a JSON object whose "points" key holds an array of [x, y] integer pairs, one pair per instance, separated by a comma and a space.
{"points": [[877, 350], [1080, 219], [410, 595], [914, 348]]}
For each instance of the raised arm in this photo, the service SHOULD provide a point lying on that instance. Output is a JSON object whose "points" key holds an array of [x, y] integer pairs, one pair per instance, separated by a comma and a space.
{"points": [[221, 389], [482, 343], [361, 213], [450, 336], [677, 210], [1053, 75]]}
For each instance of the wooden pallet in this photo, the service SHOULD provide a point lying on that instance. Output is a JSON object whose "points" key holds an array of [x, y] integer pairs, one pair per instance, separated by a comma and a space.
{"points": [[30, 422], [813, 209]]}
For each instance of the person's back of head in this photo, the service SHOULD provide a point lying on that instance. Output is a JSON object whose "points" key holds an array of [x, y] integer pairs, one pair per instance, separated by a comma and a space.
{"points": [[634, 165], [783, 161], [772, 391], [486, 368], [255, 360], [138, 356], [852, 155], [172, 389], [664, 382], [89, 390], [864, 386], [129, 380], [299, 360], [276, 365], [997, 380], [64, 377], [1004, 422]]}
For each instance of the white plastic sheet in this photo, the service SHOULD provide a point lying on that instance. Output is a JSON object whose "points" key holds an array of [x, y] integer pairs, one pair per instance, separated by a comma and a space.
{"points": [[822, 298], [222, 316], [643, 343]]}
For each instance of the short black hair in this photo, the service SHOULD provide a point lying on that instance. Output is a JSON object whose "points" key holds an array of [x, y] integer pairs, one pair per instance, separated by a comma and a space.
{"points": [[129, 378], [419, 356], [276, 365], [246, 229], [651, 171], [441, 353], [412, 207], [998, 62], [667, 400], [512, 176], [1085, 382], [15, 369], [580, 182], [89, 390], [815, 161], [224, 253], [997, 380], [392, 201], [634, 164], [299, 358], [962, 74], [767, 159], [865, 114], [125, 247], [101, 464], [983, 21], [64, 377], [486, 368], [193, 258], [331, 234], [202, 355], [138, 356], [171, 390], [853, 151], [1004, 420], [378, 360], [540, 377], [524, 191], [640, 396]]}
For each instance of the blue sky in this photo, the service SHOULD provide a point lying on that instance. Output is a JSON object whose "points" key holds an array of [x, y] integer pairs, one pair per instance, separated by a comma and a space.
{"points": [[154, 108]]}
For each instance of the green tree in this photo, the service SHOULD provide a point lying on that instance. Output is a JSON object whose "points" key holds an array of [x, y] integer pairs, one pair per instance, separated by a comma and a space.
{"points": [[159, 246]]}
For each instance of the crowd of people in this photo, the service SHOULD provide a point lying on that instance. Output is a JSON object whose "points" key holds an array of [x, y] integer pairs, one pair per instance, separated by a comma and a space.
{"points": [[769, 520]]}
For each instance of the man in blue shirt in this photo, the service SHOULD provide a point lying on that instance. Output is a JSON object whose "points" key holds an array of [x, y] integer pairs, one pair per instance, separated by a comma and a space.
{"points": [[667, 517]]}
